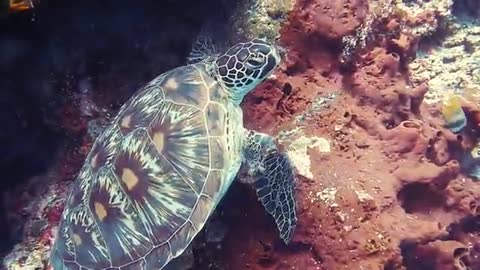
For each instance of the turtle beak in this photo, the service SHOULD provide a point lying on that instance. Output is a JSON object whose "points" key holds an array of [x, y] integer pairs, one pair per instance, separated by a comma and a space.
{"points": [[278, 54], [281, 51]]}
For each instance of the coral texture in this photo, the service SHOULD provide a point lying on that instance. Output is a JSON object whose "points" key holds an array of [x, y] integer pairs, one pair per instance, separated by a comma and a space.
{"points": [[260, 18]]}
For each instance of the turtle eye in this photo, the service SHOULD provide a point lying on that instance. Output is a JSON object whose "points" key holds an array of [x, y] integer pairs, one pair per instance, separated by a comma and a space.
{"points": [[256, 60]]}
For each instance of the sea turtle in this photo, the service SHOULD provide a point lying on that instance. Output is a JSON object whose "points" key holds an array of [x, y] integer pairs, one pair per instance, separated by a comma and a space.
{"points": [[160, 168]]}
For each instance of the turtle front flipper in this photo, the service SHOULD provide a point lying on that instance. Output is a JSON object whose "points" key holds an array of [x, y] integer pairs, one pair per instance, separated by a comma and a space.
{"points": [[272, 174]]}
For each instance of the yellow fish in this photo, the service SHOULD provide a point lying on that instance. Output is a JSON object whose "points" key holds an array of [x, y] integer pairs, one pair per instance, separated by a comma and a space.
{"points": [[453, 113]]}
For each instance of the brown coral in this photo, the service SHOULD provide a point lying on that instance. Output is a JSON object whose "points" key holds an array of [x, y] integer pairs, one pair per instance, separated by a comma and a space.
{"points": [[329, 20], [438, 151], [427, 173], [335, 19], [407, 137], [440, 255]]}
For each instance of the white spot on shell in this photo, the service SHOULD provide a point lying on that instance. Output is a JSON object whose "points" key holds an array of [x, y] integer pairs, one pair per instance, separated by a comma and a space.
{"points": [[171, 84], [126, 121], [129, 178]]}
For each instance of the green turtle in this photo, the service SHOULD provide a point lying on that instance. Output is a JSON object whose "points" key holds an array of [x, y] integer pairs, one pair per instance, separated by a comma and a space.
{"points": [[160, 168]]}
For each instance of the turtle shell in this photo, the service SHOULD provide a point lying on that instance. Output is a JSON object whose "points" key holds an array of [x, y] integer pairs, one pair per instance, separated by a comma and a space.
{"points": [[151, 179]]}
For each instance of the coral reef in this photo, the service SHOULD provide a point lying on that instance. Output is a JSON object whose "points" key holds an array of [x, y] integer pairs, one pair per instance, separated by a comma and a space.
{"points": [[451, 65], [260, 18], [407, 185], [380, 179], [439, 255]]}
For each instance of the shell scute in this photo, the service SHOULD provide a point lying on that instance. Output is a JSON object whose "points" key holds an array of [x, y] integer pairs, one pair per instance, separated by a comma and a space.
{"points": [[104, 149], [184, 235], [90, 248], [213, 184], [215, 114], [188, 85], [217, 155], [71, 266], [126, 238], [141, 112], [202, 211], [184, 141], [158, 258], [81, 189], [63, 249], [218, 94], [162, 198], [137, 265]]}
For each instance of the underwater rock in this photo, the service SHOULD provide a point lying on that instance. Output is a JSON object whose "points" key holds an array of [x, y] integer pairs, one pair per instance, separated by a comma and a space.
{"points": [[381, 67], [439, 255], [326, 20], [260, 18], [451, 66], [427, 173], [297, 146], [42, 214], [332, 20], [462, 196], [438, 152], [379, 83]]}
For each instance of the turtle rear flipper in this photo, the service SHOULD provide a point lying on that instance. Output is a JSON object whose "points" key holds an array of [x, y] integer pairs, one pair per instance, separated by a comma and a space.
{"points": [[273, 177]]}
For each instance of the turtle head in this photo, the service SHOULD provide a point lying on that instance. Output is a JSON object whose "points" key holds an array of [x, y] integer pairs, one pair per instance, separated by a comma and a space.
{"points": [[242, 67]]}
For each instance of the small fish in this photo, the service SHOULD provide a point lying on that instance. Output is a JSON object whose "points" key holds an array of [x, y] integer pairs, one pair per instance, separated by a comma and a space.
{"points": [[471, 162], [19, 5], [453, 114]]}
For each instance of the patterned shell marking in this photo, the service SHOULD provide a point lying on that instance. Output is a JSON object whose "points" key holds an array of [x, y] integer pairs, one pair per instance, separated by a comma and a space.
{"points": [[151, 179]]}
